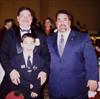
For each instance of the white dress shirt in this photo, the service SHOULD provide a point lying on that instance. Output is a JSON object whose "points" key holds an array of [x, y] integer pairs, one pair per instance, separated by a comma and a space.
{"points": [[24, 32], [26, 57]]}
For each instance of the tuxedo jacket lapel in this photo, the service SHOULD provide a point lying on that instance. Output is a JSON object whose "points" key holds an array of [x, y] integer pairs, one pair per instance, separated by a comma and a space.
{"points": [[17, 33], [22, 58], [18, 41], [69, 42], [33, 33]]}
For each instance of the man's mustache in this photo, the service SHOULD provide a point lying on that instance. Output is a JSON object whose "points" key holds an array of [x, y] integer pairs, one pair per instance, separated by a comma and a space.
{"points": [[62, 25]]}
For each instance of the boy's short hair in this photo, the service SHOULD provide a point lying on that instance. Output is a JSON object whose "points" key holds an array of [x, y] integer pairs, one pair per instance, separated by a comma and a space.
{"points": [[26, 35]]}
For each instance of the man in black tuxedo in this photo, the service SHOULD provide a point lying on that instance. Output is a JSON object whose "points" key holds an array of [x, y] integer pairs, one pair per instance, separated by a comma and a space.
{"points": [[11, 47]]}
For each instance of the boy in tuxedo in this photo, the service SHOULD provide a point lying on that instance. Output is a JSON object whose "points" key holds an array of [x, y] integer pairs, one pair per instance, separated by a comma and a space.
{"points": [[29, 64]]}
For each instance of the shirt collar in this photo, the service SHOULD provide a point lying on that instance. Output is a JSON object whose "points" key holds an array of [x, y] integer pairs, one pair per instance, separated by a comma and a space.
{"points": [[26, 57]]}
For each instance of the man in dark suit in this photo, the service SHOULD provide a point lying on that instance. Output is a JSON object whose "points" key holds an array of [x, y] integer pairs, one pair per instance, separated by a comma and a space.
{"points": [[11, 47], [73, 67]]}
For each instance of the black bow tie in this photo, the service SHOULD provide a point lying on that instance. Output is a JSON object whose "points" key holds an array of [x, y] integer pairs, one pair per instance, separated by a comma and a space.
{"points": [[23, 30]]}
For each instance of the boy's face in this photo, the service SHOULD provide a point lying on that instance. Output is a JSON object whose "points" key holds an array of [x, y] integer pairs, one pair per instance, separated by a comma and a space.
{"points": [[28, 45]]}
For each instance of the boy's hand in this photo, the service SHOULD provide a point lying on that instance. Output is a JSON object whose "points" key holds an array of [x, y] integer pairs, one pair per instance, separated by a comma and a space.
{"points": [[33, 94], [15, 77], [42, 76]]}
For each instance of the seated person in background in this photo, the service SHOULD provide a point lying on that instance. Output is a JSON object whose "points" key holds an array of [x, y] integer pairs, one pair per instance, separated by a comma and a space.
{"points": [[29, 64]]}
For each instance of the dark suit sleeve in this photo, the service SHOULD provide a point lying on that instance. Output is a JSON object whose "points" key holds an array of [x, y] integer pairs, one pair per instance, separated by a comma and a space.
{"points": [[24, 84], [90, 60], [36, 86], [5, 52], [44, 53]]}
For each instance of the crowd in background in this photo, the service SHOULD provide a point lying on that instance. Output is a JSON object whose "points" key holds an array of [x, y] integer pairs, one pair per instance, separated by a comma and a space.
{"points": [[47, 27]]}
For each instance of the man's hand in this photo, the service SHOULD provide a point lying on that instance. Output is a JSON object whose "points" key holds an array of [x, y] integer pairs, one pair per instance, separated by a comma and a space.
{"points": [[92, 84], [42, 76], [15, 77]]}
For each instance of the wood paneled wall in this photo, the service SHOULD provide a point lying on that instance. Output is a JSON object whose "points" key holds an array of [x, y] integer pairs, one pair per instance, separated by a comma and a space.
{"points": [[9, 8], [85, 11]]}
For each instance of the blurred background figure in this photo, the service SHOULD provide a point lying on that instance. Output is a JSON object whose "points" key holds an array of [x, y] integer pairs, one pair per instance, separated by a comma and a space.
{"points": [[8, 24], [81, 27], [78, 25], [97, 48], [84, 28], [48, 26], [36, 25]]}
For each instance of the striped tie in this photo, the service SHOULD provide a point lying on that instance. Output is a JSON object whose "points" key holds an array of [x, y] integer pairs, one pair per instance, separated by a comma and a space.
{"points": [[61, 45], [29, 65]]}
